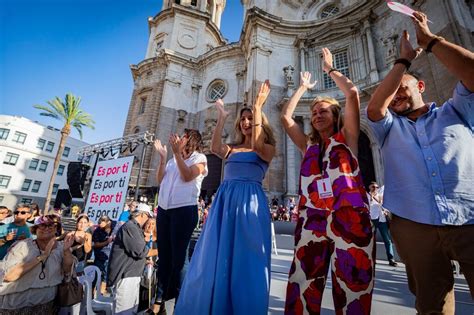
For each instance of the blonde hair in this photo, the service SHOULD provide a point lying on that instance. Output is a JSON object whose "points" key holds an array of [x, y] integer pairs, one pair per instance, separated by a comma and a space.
{"points": [[336, 110], [267, 130]]}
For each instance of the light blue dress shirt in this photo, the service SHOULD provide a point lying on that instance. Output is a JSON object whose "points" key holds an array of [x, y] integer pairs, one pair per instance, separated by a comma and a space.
{"points": [[429, 163]]}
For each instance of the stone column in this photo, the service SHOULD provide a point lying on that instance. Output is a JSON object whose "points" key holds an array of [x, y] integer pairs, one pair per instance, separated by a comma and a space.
{"points": [[213, 13], [302, 57], [374, 75], [218, 16]]}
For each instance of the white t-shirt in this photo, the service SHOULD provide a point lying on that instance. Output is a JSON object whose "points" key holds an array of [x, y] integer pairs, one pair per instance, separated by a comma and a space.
{"points": [[174, 192], [376, 210]]}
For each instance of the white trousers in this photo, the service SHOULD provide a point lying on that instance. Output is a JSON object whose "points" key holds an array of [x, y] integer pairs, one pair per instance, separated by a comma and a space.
{"points": [[127, 295]]}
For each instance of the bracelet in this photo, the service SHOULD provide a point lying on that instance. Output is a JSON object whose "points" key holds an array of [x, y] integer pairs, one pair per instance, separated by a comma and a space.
{"points": [[331, 70], [433, 42], [403, 61]]}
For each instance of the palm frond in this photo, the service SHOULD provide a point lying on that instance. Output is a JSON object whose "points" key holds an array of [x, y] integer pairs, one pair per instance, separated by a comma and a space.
{"points": [[50, 115], [58, 107], [68, 110], [47, 111]]}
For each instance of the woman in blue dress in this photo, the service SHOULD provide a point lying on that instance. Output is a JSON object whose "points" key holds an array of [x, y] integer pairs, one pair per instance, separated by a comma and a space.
{"points": [[229, 272]]}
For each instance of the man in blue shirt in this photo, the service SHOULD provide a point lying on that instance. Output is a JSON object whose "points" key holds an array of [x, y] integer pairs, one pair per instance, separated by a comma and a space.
{"points": [[16, 230], [429, 169]]}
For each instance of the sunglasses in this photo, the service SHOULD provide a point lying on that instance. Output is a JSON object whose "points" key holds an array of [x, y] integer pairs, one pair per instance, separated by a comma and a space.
{"points": [[21, 212], [46, 226]]}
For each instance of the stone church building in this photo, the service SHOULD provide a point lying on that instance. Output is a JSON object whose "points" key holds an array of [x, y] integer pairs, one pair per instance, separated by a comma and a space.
{"points": [[189, 64]]}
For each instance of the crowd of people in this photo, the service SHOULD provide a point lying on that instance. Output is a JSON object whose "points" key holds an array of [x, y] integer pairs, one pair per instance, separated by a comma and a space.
{"points": [[427, 152]]}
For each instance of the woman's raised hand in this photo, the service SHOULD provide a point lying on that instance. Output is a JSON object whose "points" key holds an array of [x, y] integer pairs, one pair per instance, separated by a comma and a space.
{"points": [[305, 80], [327, 59], [220, 109], [160, 148], [263, 93], [177, 144], [68, 241]]}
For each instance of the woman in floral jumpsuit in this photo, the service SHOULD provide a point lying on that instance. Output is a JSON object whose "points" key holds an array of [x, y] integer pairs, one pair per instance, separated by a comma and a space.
{"points": [[334, 228]]}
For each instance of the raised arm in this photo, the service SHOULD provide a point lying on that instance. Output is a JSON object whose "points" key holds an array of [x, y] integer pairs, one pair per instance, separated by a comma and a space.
{"points": [[187, 173], [458, 60], [87, 242], [265, 151], [383, 95], [351, 113], [291, 127], [68, 258], [162, 151], [217, 147]]}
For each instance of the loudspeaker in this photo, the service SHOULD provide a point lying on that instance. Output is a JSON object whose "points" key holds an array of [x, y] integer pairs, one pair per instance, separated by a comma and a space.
{"points": [[62, 197], [76, 176]]}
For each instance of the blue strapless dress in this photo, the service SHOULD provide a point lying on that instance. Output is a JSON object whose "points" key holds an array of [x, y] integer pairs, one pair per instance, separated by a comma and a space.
{"points": [[229, 272]]}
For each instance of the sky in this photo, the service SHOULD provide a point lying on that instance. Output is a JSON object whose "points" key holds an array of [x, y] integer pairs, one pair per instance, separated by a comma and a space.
{"points": [[52, 47]]}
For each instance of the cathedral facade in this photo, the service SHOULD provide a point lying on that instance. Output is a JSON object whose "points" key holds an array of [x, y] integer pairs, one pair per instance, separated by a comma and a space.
{"points": [[189, 64]]}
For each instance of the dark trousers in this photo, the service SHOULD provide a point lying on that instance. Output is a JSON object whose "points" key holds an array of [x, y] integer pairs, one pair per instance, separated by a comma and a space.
{"points": [[174, 230], [427, 251]]}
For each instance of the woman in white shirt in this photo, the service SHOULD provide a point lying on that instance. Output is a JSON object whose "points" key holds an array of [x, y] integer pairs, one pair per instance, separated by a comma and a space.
{"points": [[180, 184], [378, 216]]}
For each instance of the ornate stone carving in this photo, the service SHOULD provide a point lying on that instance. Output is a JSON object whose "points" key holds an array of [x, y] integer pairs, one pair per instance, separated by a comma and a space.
{"points": [[289, 70], [390, 43]]}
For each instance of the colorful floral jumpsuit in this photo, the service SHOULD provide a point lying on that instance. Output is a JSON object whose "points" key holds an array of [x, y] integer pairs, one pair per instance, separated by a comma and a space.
{"points": [[334, 231]]}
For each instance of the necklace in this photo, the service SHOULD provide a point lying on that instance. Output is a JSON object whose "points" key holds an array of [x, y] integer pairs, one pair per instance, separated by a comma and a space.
{"points": [[42, 274]]}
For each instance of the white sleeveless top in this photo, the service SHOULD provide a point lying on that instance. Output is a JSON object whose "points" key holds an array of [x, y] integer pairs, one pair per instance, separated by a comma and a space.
{"points": [[174, 192]]}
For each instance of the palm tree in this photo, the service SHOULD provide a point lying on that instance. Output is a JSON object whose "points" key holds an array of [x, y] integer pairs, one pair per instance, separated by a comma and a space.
{"points": [[72, 115]]}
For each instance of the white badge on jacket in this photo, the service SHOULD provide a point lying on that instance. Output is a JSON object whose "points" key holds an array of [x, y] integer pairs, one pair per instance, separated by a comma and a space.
{"points": [[324, 188]]}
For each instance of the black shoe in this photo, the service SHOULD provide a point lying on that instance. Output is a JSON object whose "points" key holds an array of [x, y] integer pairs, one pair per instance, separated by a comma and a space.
{"points": [[393, 263]]}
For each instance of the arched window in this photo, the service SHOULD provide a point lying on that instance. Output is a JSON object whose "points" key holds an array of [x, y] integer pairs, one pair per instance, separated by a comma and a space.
{"points": [[217, 89], [329, 10]]}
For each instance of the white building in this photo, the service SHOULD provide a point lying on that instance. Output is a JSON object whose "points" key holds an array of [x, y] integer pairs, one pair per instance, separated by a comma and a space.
{"points": [[27, 152], [188, 64]]}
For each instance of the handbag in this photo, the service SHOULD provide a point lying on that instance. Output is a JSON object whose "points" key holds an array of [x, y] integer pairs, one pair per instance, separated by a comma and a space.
{"points": [[388, 214], [70, 291]]}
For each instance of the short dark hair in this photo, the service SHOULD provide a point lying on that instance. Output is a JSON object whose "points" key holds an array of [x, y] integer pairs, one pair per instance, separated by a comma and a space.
{"points": [[23, 206], [104, 218], [414, 75]]}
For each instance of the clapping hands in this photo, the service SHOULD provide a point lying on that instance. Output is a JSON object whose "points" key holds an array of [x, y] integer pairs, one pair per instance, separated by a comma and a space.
{"points": [[177, 144], [406, 49], [161, 149]]}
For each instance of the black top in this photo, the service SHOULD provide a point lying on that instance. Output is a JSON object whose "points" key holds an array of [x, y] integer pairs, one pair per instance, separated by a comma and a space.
{"points": [[99, 236], [79, 252], [129, 251]]}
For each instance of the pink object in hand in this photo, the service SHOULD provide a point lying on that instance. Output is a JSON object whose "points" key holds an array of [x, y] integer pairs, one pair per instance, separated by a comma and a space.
{"points": [[398, 7]]}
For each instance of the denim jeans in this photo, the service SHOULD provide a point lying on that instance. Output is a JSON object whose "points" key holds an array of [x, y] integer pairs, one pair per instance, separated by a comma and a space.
{"points": [[387, 239]]}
